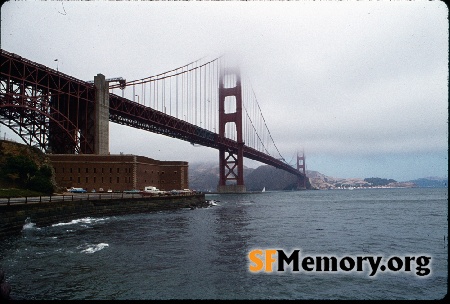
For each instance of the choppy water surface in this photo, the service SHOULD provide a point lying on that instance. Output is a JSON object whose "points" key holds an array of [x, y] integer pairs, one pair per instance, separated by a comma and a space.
{"points": [[203, 253]]}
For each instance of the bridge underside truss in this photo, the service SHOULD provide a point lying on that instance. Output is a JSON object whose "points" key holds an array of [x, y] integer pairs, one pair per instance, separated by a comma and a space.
{"points": [[46, 108], [129, 113]]}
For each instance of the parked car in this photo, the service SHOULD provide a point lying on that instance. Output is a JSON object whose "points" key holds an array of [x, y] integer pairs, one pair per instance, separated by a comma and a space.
{"points": [[76, 190], [131, 191]]}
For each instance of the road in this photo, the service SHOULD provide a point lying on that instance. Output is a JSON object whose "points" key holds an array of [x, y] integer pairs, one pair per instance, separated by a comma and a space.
{"points": [[66, 197]]}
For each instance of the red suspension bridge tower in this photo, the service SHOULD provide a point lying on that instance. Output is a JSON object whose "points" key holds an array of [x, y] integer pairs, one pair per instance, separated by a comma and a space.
{"points": [[301, 166], [231, 162]]}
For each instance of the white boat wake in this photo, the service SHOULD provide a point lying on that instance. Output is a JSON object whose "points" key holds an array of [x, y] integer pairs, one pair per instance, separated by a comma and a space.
{"points": [[213, 203]]}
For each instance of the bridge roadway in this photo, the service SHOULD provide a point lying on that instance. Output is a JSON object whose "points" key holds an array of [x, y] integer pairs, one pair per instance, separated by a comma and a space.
{"points": [[24, 73], [76, 197]]}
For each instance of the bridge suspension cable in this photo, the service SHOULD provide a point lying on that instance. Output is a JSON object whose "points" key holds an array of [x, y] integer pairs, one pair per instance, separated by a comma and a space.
{"points": [[256, 121], [190, 93]]}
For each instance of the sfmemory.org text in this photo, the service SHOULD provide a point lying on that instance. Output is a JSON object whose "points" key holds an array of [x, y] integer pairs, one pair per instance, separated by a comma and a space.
{"points": [[275, 260]]}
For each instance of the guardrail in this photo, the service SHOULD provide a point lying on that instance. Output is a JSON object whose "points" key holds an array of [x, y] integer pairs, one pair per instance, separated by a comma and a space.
{"points": [[82, 196]]}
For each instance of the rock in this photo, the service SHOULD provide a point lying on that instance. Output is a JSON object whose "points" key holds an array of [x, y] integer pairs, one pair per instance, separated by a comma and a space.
{"points": [[5, 287]]}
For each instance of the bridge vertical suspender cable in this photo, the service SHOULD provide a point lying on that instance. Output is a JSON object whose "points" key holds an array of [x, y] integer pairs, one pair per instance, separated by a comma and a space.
{"points": [[192, 96]]}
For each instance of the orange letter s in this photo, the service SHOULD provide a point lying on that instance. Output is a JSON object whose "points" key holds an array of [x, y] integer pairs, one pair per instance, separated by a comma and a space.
{"points": [[258, 263]]}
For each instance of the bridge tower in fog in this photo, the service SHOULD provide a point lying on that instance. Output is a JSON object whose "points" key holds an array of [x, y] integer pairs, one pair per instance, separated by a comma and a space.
{"points": [[301, 167], [231, 161]]}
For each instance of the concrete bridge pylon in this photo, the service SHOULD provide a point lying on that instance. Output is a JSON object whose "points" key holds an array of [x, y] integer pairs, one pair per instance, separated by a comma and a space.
{"points": [[101, 136]]}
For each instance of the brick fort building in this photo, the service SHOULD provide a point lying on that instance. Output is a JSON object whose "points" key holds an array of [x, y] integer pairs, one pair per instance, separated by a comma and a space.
{"points": [[118, 172]]}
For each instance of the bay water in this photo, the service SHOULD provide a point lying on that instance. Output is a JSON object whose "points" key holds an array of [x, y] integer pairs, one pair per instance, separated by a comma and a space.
{"points": [[204, 253]]}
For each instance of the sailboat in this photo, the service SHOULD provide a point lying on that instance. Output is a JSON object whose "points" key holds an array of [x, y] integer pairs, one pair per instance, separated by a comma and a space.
{"points": [[264, 189]]}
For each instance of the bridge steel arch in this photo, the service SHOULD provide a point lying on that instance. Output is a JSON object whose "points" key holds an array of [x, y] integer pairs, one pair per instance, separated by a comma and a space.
{"points": [[47, 109]]}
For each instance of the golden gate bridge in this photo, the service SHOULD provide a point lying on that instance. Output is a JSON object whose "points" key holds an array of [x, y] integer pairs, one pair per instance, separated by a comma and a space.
{"points": [[206, 102]]}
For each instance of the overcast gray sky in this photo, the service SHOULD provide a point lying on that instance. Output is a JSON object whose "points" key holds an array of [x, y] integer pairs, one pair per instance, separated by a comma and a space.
{"points": [[362, 86]]}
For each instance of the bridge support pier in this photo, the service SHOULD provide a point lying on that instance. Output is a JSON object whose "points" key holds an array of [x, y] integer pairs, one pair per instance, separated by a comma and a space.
{"points": [[101, 136], [231, 161]]}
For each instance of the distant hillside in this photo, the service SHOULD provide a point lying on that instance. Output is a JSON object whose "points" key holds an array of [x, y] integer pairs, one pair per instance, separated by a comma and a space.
{"points": [[205, 177], [431, 182], [271, 178], [321, 181]]}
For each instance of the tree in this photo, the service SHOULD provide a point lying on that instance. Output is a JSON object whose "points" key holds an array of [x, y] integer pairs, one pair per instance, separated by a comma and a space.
{"points": [[377, 181], [19, 168], [42, 182], [25, 174]]}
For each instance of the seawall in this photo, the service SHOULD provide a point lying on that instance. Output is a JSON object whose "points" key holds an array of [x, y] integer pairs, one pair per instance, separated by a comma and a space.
{"points": [[13, 217]]}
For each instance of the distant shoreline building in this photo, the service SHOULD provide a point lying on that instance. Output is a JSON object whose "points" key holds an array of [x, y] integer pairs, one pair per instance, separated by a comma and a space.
{"points": [[118, 172]]}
